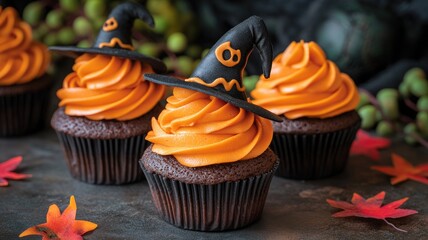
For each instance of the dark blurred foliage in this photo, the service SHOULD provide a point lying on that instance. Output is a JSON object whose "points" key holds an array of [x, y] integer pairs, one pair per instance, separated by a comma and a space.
{"points": [[375, 41]]}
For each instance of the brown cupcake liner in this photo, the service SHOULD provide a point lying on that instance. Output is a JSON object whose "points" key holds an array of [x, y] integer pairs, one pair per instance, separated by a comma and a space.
{"points": [[313, 156], [104, 161], [23, 113], [217, 207]]}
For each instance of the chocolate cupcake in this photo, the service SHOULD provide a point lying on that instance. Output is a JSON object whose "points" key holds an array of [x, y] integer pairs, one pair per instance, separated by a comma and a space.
{"points": [[209, 167], [106, 104], [24, 84], [317, 103]]}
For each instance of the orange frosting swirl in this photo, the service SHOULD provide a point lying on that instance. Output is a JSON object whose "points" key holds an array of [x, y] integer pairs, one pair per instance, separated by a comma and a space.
{"points": [[21, 58], [303, 83], [108, 87], [200, 130]]}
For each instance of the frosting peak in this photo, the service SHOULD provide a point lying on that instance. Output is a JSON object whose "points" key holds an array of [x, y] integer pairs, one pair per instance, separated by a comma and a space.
{"points": [[304, 83], [21, 58], [108, 87], [201, 130]]}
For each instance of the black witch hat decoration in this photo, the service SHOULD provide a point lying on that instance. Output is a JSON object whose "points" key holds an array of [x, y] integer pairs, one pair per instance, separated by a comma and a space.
{"points": [[220, 73], [114, 38]]}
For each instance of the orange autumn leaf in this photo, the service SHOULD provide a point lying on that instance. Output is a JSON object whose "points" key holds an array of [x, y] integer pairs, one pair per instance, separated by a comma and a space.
{"points": [[61, 226], [6, 169], [367, 145], [403, 170], [372, 208]]}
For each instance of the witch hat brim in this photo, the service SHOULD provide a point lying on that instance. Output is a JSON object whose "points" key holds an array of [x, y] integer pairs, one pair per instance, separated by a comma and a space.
{"points": [[74, 52], [176, 82], [114, 38]]}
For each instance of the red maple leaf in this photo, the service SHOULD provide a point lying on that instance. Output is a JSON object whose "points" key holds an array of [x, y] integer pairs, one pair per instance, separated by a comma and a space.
{"points": [[403, 170], [371, 208], [61, 226], [6, 169], [368, 145]]}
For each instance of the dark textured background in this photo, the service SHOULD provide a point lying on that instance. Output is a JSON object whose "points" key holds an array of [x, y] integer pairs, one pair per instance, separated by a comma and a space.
{"points": [[293, 210], [374, 41]]}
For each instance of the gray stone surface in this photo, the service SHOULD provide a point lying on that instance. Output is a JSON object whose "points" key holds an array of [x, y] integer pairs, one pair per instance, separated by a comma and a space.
{"points": [[294, 209]]}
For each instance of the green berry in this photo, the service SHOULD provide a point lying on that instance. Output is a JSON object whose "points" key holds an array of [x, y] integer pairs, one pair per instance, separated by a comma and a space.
{"points": [[149, 49], [388, 101], [422, 122], [82, 26], [404, 89], [185, 65], [94, 9], [364, 100], [55, 18], [84, 44], [169, 63], [161, 24], [40, 32], [250, 82], [69, 5], [177, 42], [368, 116], [66, 36], [422, 104], [384, 128], [410, 129], [387, 93], [50, 39], [419, 87], [390, 108], [414, 73], [33, 13]]}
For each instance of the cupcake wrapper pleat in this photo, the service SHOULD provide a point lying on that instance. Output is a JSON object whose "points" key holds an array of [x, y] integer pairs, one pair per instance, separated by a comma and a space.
{"points": [[313, 156], [218, 207], [23, 113], [104, 161]]}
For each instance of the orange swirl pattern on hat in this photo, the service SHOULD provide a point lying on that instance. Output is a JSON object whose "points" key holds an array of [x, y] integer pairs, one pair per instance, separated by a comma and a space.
{"points": [[303, 83], [200, 130], [21, 58], [227, 85], [108, 87]]}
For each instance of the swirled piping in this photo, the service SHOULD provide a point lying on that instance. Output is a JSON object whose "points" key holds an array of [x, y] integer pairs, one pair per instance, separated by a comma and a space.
{"points": [[200, 130], [108, 87], [21, 58], [303, 83]]}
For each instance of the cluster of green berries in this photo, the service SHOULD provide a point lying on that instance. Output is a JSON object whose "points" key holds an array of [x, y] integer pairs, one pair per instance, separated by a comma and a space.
{"points": [[77, 22], [383, 111]]}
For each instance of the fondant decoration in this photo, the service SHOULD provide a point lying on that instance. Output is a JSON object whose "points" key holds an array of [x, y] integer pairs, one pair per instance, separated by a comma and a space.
{"points": [[371, 208], [61, 226], [110, 24], [368, 145], [234, 55], [220, 73], [403, 170], [114, 38], [6, 169]]}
